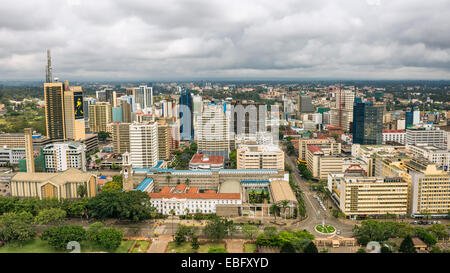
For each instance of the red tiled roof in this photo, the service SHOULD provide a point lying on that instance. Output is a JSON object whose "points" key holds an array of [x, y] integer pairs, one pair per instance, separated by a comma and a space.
{"points": [[213, 159], [165, 190], [180, 187], [192, 190], [314, 148], [196, 195]]}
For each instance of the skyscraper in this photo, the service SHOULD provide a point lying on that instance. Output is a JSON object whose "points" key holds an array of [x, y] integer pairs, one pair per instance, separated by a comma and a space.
{"points": [[144, 96], [54, 110], [212, 133], [185, 113], [367, 123], [144, 144], [74, 113], [304, 105], [100, 115]]}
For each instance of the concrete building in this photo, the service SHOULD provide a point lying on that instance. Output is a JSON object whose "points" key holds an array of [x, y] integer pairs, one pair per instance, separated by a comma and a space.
{"points": [[342, 114], [62, 185], [11, 156], [440, 157], [64, 155], [100, 115], [121, 137], [74, 113], [367, 123], [183, 199], [330, 143], [430, 188], [144, 144], [398, 136], [205, 162], [54, 110], [259, 157], [426, 134], [368, 196], [212, 130], [29, 150]]}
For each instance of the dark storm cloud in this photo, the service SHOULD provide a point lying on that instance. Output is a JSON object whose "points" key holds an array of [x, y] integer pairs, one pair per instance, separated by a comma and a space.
{"points": [[193, 38]]}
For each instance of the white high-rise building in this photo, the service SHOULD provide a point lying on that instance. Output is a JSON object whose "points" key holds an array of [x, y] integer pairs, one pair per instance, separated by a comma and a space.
{"points": [[212, 130], [64, 155], [144, 97], [144, 144], [342, 113]]}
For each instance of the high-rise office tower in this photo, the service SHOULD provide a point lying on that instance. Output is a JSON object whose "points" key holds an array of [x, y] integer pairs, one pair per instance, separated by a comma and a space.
{"points": [[126, 111], [367, 123], [29, 150], [185, 113], [248, 118], [144, 96], [121, 137], [164, 139], [342, 113], [304, 105], [197, 108], [54, 110], [88, 101], [212, 131], [74, 113], [100, 115], [144, 144]]}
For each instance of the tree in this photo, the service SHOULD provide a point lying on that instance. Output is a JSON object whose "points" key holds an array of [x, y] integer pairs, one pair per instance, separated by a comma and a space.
{"points": [[217, 228], [59, 236], [194, 243], [287, 248], [102, 136], [132, 205], [16, 227], [50, 216], [275, 210], [385, 249], [284, 205], [82, 191], [92, 231], [270, 230], [407, 246], [233, 160], [250, 231], [109, 238], [311, 248], [361, 250], [439, 230]]}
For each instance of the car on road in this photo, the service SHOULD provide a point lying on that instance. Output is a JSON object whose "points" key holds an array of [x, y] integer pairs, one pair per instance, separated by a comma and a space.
{"points": [[415, 223], [338, 232]]}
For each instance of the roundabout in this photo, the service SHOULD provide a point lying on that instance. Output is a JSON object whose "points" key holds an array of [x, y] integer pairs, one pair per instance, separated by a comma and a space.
{"points": [[327, 229]]}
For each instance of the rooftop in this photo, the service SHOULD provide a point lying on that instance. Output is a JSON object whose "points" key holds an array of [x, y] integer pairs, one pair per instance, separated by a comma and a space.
{"points": [[205, 159]]}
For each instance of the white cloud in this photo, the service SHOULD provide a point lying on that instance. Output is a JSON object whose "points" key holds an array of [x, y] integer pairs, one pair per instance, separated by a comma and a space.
{"points": [[200, 38]]}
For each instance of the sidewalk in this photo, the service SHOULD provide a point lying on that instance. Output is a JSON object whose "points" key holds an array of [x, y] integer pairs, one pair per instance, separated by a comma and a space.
{"points": [[159, 244]]}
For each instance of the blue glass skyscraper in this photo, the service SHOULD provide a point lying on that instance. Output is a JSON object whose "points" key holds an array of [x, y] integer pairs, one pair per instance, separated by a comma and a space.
{"points": [[185, 113], [367, 123]]}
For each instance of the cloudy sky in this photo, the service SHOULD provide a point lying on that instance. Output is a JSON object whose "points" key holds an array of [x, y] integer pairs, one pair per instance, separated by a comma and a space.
{"points": [[174, 39]]}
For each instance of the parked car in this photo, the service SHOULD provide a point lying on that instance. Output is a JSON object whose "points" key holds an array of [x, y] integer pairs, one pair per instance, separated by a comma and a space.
{"points": [[415, 223], [338, 232]]}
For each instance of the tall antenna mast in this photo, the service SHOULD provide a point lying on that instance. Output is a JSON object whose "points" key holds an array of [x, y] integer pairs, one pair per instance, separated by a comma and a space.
{"points": [[48, 72]]}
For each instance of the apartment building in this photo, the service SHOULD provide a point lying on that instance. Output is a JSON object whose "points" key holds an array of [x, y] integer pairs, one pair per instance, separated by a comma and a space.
{"points": [[259, 157], [326, 143], [62, 156], [144, 144], [397, 136]]}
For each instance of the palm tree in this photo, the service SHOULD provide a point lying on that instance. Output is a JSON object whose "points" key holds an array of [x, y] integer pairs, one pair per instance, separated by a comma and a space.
{"points": [[275, 208], [172, 212], [168, 177], [187, 182], [284, 204]]}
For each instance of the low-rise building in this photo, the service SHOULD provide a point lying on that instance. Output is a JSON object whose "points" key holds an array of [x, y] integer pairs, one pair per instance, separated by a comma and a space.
{"points": [[206, 162], [397, 136], [441, 157], [368, 196], [11, 156], [61, 185], [183, 200], [260, 157]]}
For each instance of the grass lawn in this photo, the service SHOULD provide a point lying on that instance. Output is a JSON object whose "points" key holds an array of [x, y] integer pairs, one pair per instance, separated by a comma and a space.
{"points": [[327, 229], [37, 245], [186, 247], [142, 246], [250, 248]]}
